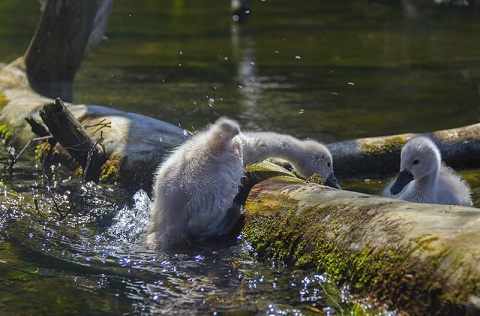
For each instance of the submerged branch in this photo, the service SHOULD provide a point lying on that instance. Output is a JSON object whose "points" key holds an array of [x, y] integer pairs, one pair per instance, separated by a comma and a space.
{"points": [[15, 159]]}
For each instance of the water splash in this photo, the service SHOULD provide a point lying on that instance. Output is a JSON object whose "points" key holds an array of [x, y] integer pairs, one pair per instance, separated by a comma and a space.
{"points": [[129, 225]]}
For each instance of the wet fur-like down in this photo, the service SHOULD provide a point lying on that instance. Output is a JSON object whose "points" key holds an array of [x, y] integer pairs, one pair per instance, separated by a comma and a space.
{"points": [[432, 181], [195, 187], [308, 157]]}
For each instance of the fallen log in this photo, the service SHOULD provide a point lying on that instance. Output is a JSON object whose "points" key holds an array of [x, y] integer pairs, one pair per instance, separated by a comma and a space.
{"points": [[380, 156], [417, 258], [133, 144]]}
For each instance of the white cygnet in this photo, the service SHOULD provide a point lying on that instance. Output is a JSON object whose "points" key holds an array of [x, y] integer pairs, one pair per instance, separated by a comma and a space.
{"points": [[308, 157], [195, 186], [423, 178]]}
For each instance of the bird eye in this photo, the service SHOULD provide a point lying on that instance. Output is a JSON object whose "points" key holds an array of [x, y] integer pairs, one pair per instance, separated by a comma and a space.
{"points": [[415, 161], [329, 164]]}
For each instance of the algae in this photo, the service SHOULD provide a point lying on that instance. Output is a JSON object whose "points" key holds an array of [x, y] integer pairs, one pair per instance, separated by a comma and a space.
{"points": [[110, 171], [3, 100], [404, 274], [5, 134], [389, 145]]}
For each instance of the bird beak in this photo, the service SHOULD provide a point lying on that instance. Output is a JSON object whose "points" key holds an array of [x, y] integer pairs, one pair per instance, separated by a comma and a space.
{"points": [[332, 181], [403, 178]]}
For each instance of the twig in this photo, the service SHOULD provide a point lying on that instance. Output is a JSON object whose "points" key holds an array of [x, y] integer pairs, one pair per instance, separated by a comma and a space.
{"points": [[100, 125], [85, 170], [15, 159], [48, 186], [36, 206]]}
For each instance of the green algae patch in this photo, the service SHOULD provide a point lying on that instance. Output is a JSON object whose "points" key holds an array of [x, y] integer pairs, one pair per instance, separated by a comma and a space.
{"points": [[3, 100], [264, 170], [389, 145], [360, 241], [5, 134], [110, 171]]}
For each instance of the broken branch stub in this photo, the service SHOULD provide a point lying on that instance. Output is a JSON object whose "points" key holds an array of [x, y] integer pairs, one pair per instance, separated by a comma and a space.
{"points": [[74, 138]]}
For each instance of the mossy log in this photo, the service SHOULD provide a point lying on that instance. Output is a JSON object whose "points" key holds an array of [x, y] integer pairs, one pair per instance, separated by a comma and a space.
{"points": [[133, 144], [417, 258], [380, 156]]}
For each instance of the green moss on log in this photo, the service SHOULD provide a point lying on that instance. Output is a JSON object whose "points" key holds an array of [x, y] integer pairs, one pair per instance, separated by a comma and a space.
{"points": [[5, 134], [389, 145], [110, 171], [3, 100], [404, 273]]}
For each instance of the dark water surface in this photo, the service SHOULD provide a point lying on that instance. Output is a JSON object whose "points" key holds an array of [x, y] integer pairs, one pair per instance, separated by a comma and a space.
{"points": [[329, 70]]}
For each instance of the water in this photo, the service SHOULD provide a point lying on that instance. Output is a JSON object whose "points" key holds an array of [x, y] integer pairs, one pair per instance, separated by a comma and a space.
{"points": [[95, 263], [331, 71]]}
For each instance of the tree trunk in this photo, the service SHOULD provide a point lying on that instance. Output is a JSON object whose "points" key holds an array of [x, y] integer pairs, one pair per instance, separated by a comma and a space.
{"points": [[418, 258], [67, 31]]}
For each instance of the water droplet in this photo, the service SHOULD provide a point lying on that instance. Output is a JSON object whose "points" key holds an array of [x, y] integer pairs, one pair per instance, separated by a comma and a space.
{"points": [[335, 93], [301, 111], [298, 57], [351, 83], [211, 101], [181, 52], [226, 58]]}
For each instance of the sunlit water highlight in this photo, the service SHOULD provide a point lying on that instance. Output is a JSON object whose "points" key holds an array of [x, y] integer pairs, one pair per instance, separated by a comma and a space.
{"points": [[326, 70]]}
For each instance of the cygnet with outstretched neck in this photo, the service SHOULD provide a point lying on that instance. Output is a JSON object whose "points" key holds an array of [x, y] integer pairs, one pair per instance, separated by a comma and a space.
{"points": [[308, 157], [195, 188], [423, 178]]}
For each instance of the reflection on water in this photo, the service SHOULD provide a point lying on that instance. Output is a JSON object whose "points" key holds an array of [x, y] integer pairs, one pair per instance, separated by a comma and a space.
{"points": [[327, 70]]}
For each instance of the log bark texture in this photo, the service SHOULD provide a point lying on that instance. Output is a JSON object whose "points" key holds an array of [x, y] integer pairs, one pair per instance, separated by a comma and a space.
{"points": [[417, 258], [74, 139], [380, 156]]}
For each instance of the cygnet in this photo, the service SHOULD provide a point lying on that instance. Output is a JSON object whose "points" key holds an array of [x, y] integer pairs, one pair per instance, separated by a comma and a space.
{"points": [[423, 178], [308, 157], [195, 186]]}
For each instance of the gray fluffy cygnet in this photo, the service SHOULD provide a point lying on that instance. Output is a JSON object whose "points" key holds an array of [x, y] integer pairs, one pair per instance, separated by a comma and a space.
{"points": [[308, 157], [195, 187], [423, 178]]}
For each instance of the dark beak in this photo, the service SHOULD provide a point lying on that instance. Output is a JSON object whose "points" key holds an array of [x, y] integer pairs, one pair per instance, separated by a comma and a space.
{"points": [[403, 178], [332, 181]]}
